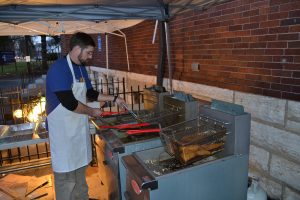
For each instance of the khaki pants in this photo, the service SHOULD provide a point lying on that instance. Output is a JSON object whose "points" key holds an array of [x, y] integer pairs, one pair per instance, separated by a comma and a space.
{"points": [[71, 185]]}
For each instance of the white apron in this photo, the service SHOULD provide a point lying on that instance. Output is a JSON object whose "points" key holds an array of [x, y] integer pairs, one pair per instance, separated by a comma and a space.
{"points": [[70, 141]]}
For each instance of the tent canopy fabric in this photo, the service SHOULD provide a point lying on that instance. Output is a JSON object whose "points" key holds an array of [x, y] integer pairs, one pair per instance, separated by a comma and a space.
{"points": [[51, 17], [64, 27]]}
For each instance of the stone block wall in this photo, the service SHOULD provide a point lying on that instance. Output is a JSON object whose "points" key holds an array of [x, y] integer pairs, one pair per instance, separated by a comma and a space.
{"points": [[275, 143]]}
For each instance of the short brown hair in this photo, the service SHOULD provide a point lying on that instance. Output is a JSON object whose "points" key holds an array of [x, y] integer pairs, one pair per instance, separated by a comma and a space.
{"points": [[81, 39]]}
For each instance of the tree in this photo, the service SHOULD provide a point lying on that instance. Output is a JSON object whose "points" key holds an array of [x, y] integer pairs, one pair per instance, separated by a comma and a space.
{"points": [[44, 52], [27, 51], [6, 43]]}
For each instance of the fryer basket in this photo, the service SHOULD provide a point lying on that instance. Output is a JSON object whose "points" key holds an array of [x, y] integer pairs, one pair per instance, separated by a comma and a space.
{"points": [[194, 140]]}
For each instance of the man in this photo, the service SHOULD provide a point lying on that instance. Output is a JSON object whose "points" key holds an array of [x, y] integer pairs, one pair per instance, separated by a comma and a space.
{"points": [[67, 88]]}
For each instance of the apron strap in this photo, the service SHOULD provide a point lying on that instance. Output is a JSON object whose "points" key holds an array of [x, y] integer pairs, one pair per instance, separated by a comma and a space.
{"points": [[71, 68]]}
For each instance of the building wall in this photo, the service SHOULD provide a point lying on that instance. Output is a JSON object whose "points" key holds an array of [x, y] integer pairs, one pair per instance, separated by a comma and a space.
{"points": [[244, 45], [142, 54], [249, 46], [248, 53]]}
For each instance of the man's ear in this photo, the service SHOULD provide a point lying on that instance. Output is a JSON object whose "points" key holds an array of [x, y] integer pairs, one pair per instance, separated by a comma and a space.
{"points": [[77, 48]]}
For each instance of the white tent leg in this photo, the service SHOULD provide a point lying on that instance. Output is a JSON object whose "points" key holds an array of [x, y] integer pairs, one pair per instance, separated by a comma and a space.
{"points": [[106, 49], [169, 56], [154, 33], [126, 49], [128, 66]]}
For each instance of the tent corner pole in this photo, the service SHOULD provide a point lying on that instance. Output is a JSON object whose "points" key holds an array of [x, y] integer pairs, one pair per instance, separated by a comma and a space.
{"points": [[106, 54], [167, 32], [126, 49]]}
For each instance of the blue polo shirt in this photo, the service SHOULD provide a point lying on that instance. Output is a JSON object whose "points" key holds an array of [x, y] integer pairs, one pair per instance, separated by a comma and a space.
{"points": [[59, 78]]}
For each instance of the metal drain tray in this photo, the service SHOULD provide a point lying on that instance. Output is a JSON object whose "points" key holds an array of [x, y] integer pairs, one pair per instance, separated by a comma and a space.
{"points": [[17, 135]]}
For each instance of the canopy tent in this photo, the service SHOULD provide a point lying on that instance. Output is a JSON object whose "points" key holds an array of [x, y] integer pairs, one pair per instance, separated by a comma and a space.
{"points": [[51, 17], [64, 27]]}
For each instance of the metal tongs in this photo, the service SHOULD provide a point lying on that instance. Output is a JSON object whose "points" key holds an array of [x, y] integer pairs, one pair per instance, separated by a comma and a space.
{"points": [[109, 124], [132, 113], [126, 108], [95, 124], [101, 117]]}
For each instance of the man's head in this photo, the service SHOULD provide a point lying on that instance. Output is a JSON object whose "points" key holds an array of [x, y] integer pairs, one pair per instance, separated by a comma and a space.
{"points": [[81, 48]]}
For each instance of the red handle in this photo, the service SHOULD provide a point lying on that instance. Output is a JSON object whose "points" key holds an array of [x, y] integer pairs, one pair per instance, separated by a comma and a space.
{"points": [[108, 113], [126, 126], [153, 130]]}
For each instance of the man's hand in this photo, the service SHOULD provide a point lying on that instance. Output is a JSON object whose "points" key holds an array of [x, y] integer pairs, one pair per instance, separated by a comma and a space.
{"points": [[95, 112], [84, 109], [120, 101]]}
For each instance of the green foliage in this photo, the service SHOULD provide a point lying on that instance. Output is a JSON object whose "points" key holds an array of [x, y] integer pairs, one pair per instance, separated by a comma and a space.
{"points": [[13, 68], [20, 67]]}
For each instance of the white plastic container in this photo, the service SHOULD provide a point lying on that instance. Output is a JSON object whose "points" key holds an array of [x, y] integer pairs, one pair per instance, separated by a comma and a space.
{"points": [[255, 192]]}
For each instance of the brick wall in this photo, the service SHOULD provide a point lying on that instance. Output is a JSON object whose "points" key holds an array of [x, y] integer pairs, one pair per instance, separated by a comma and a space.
{"points": [[98, 56], [251, 46], [143, 55], [246, 45]]}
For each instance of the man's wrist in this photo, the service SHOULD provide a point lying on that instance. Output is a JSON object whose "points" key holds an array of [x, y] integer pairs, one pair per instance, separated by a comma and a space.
{"points": [[90, 111]]}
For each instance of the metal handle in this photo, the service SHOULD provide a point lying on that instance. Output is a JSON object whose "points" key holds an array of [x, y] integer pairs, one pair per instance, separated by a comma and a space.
{"points": [[132, 113], [225, 123], [95, 124], [137, 131]]}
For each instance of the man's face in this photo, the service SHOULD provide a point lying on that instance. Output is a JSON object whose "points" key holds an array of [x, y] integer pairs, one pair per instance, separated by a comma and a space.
{"points": [[85, 55]]}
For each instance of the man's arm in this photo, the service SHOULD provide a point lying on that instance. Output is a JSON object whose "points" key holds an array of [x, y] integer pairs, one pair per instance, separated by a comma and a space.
{"points": [[68, 100], [94, 95], [84, 109]]}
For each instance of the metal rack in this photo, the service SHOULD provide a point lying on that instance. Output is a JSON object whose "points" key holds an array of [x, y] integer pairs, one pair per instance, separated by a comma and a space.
{"points": [[195, 139], [23, 143]]}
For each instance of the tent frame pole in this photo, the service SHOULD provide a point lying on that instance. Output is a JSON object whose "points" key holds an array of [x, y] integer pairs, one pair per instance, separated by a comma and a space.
{"points": [[106, 54], [167, 33], [126, 48]]}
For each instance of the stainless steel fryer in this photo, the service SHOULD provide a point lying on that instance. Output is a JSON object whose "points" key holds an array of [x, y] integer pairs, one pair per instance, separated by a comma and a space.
{"points": [[153, 174], [112, 147]]}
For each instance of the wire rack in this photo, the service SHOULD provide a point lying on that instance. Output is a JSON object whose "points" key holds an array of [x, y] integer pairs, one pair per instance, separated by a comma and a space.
{"points": [[193, 140], [164, 118]]}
